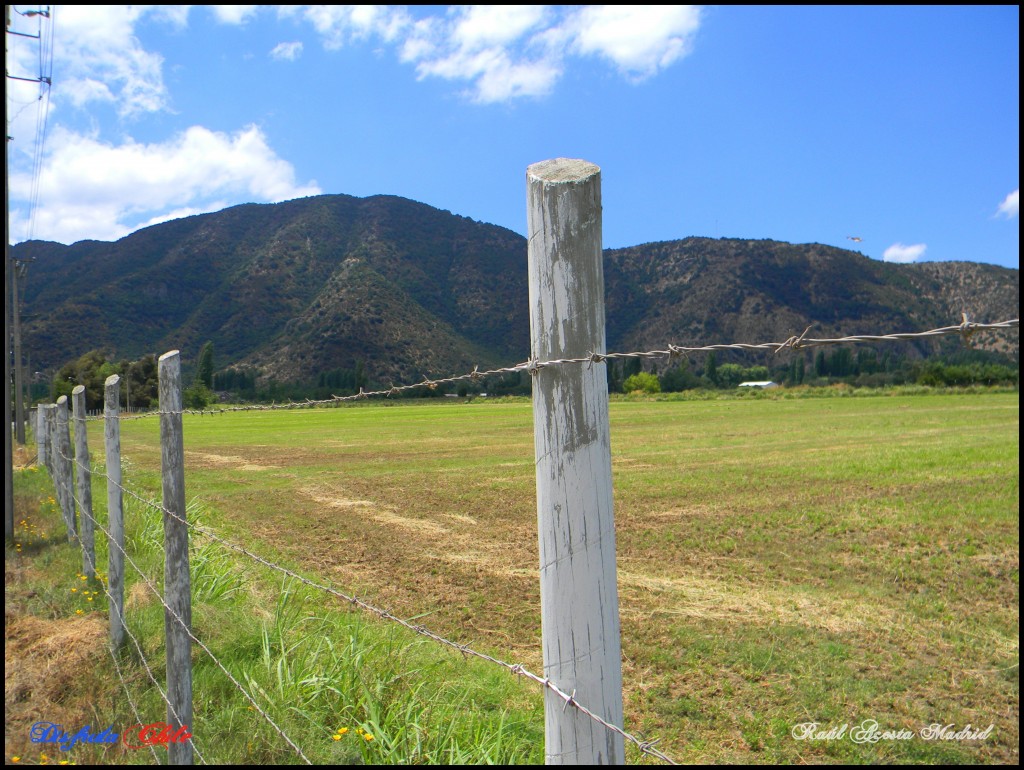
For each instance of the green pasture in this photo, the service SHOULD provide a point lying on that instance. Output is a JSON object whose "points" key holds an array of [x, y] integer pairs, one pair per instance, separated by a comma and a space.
{"points": [[781, 562]]}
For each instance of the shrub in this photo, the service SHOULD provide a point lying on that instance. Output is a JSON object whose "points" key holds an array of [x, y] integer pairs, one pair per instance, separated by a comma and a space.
{"points": [[643, 382]]}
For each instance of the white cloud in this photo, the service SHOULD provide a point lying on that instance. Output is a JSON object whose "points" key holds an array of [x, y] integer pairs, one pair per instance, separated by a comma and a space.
{"points": [[103, 61], [901, 253], [640, 39], [507, 52], [286, 51], [93, 189], [1010, 207], [340, 24], [482, 26], [234, 14], [482, 44]]}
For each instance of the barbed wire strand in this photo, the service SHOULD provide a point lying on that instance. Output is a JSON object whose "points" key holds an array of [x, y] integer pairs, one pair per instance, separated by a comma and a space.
{"points": [[965, 329], [184, 625], [518, 669], [135, 641], [117, 666], [128, 697]]}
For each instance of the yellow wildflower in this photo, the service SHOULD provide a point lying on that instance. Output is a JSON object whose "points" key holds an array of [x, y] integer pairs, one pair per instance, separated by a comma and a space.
{"points": [[79, 612], [368, 737], [336, 737], [342, 730]]}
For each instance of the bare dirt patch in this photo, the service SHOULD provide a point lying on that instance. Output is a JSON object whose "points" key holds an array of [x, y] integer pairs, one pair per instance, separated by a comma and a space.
{"points": [[208, 460]]}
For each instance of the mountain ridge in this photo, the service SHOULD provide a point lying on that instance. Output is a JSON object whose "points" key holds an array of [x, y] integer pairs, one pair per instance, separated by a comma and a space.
{"points": [[314, 284]]}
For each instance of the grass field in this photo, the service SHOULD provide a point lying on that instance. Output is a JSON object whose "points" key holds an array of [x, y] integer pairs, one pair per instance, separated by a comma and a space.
{"points": [[780, 561]]}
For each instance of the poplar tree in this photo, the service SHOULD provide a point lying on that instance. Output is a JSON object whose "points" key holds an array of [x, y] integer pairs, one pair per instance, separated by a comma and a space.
{"points": [[204, 368]]}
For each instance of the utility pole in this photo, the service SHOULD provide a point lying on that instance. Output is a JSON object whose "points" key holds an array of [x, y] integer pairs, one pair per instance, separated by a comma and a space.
{"points": [[19, 369], [12, 266], [8, 453]]}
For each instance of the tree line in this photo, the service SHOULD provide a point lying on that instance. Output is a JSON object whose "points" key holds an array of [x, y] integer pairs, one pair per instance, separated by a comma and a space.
{"points": [[864, 367]]}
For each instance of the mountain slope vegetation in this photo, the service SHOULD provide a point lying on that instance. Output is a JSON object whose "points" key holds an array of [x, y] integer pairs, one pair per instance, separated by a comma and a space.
{"points": [[330, 282]]}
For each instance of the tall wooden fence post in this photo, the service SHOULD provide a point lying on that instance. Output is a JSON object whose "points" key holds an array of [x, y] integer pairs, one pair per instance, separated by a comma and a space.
{"points": [[115, 509], [572, 445], [62, 470], [83, 477], [177, 581]]}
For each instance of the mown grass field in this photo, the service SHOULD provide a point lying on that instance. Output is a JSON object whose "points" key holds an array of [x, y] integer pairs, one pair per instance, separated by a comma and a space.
{"points": [[828, 560]]}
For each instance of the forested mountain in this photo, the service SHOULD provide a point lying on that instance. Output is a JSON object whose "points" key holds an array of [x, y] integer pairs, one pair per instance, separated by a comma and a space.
{"points": [[324, 283]]}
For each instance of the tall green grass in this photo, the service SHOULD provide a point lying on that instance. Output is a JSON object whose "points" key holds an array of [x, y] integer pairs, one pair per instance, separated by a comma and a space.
{"points": [[345, 688]]}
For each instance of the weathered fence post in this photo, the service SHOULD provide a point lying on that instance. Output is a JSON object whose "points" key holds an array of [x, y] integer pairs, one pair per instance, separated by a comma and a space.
{"points": [[49, 429], [572, 445], [177, 582], [62, 470], [115, 509], [83, 478], [42, 436]]}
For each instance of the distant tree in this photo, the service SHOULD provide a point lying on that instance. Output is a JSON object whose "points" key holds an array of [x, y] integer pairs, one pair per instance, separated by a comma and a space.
{"points": [[730, 375], [196, 397], [840, 363], [645, 382], [614, 374], [142, 387], [711, 367], [867, 361], [204, 366], [630, 367], [678, 379], [800, 370], [755, 373], [89, 370], [820, 366]]}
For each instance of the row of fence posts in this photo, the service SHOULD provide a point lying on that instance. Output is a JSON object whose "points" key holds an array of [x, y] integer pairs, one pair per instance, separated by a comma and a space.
{"points": [[579, 595], [70, 485]]}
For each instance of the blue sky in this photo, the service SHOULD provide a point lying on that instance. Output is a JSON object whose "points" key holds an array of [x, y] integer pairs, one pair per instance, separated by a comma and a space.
{"points": [[898, 126]]}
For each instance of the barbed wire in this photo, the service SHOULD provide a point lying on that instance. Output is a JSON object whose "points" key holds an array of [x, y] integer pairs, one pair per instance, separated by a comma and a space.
{"points": [[128, 697], [135, 641], [517, 669], [180, 621], [966, 329]]}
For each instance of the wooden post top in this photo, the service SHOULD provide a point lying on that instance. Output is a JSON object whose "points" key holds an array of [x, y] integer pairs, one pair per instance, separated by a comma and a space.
{"points": [[563, 170]]}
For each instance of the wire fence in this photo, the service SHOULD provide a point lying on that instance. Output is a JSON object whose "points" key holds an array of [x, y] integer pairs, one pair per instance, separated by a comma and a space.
{"points": [[646, 747], [670, 352], [517, 669]]}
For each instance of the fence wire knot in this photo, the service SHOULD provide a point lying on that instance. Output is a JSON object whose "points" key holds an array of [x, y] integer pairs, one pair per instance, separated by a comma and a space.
{"points": [[596, 358], [967, 328], [793, 342], [533, 366], [476, 375], [570, 700]]}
